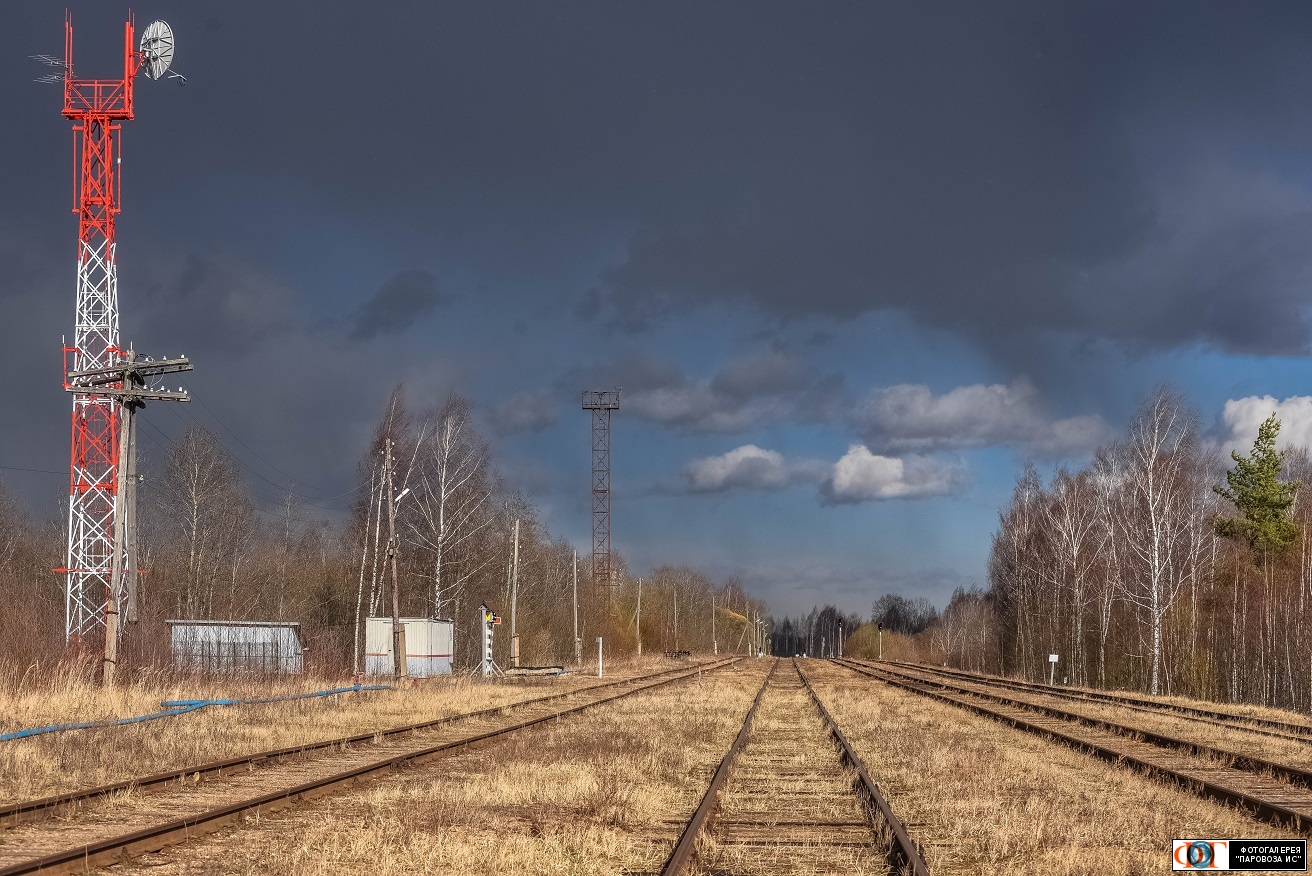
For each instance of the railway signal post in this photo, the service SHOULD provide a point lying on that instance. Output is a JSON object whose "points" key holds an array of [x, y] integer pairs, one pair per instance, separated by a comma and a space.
{"points": [[488, 666]]}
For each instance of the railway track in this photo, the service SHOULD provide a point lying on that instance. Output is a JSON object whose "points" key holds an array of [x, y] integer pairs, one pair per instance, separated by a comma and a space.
{"points": [[65, 803], [1279, 793], [126, 823], [1248, 723], [1044, 702], [792, 796]]}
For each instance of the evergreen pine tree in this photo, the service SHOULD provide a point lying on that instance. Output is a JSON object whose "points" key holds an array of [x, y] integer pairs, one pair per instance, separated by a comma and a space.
{"points": [[1263, 500]]}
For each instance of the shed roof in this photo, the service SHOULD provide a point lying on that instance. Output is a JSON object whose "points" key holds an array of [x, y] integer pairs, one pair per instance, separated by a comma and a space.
{"points": [[229, 623]]}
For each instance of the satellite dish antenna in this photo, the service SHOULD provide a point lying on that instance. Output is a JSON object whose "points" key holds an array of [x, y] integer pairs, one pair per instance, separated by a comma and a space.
{"points": [[157, 51]]}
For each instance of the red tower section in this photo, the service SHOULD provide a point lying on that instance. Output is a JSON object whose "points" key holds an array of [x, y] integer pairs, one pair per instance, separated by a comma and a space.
{"points": [[95, 106]]}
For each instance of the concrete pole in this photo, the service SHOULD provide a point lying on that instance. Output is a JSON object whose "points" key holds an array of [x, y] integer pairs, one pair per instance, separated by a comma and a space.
{"points": [[599, 675], [398, 628], [514, 600], [637, 621], [130, 524], [715, 643], [675, 591], [578, 643], [110, 663]]}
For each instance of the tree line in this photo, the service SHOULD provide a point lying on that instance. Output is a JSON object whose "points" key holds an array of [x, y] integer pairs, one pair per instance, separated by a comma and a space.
{"points": [[829, 632], [210, 552], [1159, 566]]}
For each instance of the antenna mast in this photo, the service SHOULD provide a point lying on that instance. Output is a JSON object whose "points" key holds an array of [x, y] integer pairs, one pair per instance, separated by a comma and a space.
{"points": [[97, 107]]}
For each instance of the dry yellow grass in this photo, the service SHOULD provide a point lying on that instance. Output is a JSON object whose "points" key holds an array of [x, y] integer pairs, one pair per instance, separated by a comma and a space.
{"points": [[603, 792], [82, 758], [985, 798]]}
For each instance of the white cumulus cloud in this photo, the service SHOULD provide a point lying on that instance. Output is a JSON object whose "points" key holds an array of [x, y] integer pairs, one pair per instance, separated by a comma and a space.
{"points": [[862, 476], [911, 417], [1241, 416], [748, 468]]}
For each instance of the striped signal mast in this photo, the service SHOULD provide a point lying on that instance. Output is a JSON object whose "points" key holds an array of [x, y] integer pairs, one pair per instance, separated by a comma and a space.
{"points": [[97, 107]]}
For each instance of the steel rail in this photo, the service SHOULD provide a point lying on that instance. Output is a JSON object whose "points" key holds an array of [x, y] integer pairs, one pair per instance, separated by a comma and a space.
{"points": [[123, 847], [1251, 763], [1302, 732], [27, 810], [1281, 816], [904, 855], [704, 815]]}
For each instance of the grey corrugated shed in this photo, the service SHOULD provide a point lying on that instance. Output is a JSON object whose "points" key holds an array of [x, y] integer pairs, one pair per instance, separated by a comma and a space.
{"points": [[237, 646]]}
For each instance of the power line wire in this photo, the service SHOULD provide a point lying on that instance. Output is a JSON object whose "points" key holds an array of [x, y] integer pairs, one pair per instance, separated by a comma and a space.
{"points": [[33, 470], [273, 484], [256, 455], [258, 510], [278, 486]]}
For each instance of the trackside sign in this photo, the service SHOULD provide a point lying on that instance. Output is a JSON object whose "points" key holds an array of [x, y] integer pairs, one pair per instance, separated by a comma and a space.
{"points": [[1219, 855]]}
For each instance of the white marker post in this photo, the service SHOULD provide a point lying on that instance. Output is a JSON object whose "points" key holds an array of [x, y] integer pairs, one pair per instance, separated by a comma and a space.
{"points": [[1052, 668], [598, 656]]}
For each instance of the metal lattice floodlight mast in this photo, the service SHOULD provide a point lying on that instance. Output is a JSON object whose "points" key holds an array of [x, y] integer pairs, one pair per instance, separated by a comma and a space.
{"points": [[603, 581], [96, 106]]}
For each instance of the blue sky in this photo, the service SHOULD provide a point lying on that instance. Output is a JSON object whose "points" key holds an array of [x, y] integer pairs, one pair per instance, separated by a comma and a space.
{"points": [[853, 265]]}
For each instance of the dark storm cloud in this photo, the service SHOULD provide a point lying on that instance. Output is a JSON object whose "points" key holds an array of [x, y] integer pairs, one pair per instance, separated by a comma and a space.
{"points": [[986, 172], [768, 373], [758, 389], [994, 169], [401, 302], [200, 302], [1127, 172], [527, 412]]}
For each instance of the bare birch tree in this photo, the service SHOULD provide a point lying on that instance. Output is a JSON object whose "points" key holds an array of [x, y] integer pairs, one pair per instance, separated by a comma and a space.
{"points": [[1162, 457], [453, 490]]}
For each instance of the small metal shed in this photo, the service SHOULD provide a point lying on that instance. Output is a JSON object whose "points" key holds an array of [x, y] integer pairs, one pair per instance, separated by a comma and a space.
{"points": [[237, 646], [428, 646]]}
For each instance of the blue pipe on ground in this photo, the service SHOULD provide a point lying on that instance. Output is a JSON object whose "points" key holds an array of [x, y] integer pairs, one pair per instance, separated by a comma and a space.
{"points": [[173, 708]]}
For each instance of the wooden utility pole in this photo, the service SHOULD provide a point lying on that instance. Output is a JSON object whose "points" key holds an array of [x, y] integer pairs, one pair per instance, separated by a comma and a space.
{"points": [[578, 643], [398, 628], [637, 621], [514, 600], [126, 382]]}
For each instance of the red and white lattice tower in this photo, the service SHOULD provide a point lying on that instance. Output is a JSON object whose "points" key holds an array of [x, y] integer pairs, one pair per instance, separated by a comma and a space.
{"points": [[96, 106]]}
